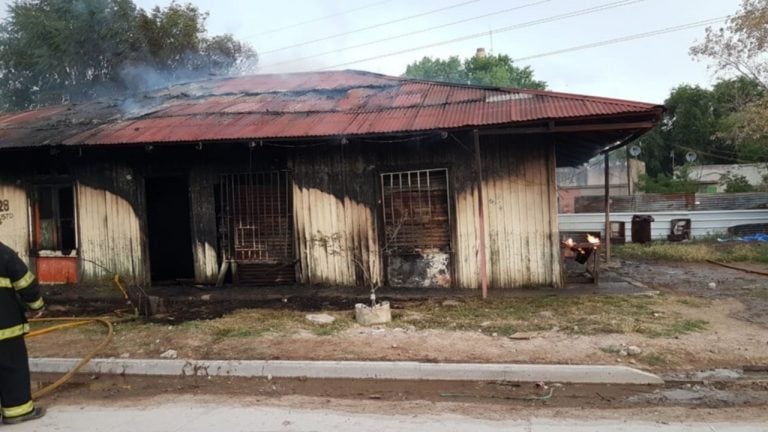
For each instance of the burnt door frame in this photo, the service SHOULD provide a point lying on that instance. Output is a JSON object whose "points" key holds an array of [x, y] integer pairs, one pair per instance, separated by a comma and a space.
{"points": [[169, 229]]}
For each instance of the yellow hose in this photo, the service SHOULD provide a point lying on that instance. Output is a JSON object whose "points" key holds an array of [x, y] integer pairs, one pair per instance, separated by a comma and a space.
{"points": [[76, 322], [68, 323]]}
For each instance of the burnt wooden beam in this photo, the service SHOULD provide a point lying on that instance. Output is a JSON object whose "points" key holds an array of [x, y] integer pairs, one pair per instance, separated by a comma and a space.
{"points": [[481, 217]]}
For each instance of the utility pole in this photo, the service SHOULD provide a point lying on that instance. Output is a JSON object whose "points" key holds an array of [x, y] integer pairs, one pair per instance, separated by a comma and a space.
{"points": [[607, 239]]}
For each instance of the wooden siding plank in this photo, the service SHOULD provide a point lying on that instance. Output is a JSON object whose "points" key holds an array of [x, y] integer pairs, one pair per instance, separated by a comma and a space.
{"points": [[14, 219]]}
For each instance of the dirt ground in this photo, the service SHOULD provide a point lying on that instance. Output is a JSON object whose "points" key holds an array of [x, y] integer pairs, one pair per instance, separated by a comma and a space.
{"points": [[736, 333], [695, 279]]}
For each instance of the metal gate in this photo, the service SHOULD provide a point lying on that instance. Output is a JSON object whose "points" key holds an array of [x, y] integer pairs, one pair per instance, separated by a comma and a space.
{"points": [[417, 227], [255, 213]]}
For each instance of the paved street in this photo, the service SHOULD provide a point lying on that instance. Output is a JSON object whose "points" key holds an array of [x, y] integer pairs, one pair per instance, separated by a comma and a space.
{"points": [[197, 417]]}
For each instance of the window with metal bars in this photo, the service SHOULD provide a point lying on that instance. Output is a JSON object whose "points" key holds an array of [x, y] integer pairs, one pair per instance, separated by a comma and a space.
{"points": [[255, 217], [416, 210]]}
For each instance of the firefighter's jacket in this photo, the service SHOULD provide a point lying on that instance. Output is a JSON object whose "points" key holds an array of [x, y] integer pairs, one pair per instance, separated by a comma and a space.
{"points": [[18, 287]]}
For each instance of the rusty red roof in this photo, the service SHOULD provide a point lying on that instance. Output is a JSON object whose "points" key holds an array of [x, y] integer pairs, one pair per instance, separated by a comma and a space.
{"points": [[301, 105]]}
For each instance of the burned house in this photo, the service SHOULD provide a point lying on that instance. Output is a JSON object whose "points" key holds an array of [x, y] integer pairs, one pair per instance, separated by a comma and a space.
{"points": [[331, 178]]}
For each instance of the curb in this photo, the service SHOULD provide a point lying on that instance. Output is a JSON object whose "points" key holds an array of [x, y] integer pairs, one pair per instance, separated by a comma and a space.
{"points": [[574, 374]]}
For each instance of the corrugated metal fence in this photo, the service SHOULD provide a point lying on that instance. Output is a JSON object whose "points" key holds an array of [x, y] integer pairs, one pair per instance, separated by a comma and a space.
{"points": [[702, 222], [674, 202]]}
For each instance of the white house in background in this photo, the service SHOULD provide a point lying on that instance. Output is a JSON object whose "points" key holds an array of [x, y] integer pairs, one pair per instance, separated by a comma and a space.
{"points": [[711, 177], [589, 180]]}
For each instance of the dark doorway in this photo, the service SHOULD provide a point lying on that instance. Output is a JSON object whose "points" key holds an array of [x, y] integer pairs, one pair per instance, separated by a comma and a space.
{"points": [[170, 237]]}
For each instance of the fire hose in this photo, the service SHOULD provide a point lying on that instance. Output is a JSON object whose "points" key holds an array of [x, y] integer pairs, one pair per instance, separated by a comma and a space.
{"points": [[66, 323], [70, 323]]}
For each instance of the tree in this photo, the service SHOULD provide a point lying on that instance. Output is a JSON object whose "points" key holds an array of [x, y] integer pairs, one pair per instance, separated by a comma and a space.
{"points": [[489, 70], [741, 49], [448, 70], [49, 46], [689, 124], [699, 120], [57, 50]]}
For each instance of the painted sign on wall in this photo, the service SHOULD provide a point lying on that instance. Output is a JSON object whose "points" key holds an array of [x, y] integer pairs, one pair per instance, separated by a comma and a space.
{"points": [[14, 218], [5, 210]]}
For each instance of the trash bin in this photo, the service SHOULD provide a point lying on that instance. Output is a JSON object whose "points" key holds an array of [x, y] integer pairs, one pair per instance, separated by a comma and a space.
{"points": [[641, 228], [679, 230]]}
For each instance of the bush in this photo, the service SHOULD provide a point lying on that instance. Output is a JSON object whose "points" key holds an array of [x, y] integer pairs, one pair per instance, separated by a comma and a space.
{"points": [[666, 184], [735, 183]]}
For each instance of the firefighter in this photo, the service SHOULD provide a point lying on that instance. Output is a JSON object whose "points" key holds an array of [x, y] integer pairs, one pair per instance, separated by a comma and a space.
{"points": [[18, 288]]}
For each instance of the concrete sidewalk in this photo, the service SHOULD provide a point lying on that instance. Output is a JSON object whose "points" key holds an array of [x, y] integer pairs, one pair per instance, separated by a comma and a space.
{"points": [[234, 416], [581, 374]]}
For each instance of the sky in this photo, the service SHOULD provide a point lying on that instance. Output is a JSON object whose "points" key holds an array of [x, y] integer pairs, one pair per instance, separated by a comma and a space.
{"points": [[384, 36]]}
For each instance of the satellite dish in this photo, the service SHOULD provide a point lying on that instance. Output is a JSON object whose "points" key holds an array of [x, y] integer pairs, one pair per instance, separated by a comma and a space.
{"points": [[634, 150], [690, 156]]}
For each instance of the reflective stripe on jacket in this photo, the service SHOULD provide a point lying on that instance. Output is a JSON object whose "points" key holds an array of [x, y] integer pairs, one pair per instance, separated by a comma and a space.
{"points": [[18, 288]]}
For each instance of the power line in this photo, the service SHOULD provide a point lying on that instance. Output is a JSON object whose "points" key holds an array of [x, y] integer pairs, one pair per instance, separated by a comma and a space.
{"points": [[322, 18], [419, 15], [704, 152], [627, 38], [553, 18], [408, 34]]}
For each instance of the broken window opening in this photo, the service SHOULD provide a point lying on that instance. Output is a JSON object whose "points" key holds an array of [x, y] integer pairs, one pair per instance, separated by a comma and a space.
{"points": [[55, 220]]}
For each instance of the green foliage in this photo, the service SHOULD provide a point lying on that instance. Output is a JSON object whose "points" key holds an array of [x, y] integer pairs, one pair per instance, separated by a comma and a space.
{"points": [[171, 33], [697, 251], [664, 251], [702, 120], [570, 314], [705, 122], [490, 70], [50, 46], [739, 49], [58, 50], [448, 70], [666, 184], [735, 183]]}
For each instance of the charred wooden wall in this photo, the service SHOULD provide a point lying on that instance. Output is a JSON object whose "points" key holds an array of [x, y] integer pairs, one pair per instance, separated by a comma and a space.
{"points": [[520, 216], [111, 222], [109, 200], [338, 230], [202, 181], [337, 237], [338, 208]]}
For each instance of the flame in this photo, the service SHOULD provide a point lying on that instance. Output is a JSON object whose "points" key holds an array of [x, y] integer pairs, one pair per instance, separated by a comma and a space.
{"points": [[593, 240], [570, 243]]}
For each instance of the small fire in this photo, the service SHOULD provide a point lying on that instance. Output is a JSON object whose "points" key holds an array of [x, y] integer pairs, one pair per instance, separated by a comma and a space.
{"points": [[593, 240], [570, 243]]}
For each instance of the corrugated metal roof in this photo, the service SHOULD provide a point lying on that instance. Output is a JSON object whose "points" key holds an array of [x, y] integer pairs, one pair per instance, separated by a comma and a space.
{"points": [[319, 104]]}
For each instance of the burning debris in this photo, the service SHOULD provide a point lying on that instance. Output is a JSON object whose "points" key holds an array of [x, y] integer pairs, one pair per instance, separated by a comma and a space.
{"points": [[583, 250]]}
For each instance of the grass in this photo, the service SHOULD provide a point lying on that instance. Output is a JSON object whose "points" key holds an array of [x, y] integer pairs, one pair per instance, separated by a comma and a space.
{"points": [[611, 349], [586, 315], [654, 359], [678, 327], [259, 322], [693, 302], [579, 315], [696, 251]]}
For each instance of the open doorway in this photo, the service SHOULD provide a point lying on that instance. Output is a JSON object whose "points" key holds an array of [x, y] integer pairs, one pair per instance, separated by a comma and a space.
{"points": [[170, 236]]}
